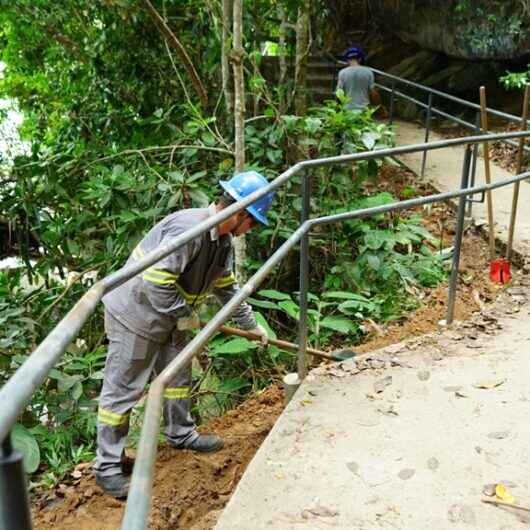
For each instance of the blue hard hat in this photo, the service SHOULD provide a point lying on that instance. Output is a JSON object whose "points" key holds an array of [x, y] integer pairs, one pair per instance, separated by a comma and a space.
{"points": [[354, 52], [241, 185]]}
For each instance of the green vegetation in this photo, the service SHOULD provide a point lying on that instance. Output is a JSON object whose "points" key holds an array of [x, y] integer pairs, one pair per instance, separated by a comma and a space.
{"points": [[118, 140]]}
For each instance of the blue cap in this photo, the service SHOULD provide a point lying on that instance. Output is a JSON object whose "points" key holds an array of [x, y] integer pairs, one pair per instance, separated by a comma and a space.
{"points": [[354, 53], [241, 185]]}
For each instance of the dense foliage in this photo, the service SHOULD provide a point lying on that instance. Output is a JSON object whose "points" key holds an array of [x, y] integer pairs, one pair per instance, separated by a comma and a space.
{"points": [[117, 141]]}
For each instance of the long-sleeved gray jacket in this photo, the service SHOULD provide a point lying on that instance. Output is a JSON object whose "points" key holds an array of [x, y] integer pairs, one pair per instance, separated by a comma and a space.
{"points": [[150, 303]]}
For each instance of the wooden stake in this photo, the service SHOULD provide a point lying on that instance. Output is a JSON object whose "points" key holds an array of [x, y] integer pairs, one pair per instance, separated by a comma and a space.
{"points": [[484, 119], [519, 168]]}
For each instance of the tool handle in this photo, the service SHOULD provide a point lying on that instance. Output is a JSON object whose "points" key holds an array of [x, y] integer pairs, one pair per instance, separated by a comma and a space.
{"points": [[290, 346]]}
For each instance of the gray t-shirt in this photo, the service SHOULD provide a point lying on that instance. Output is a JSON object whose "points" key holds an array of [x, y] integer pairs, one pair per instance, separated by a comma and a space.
{"points": [[356, 81]]}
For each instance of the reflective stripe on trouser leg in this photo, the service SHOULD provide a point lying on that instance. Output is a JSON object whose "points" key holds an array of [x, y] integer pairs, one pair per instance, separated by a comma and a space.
{"points": [[179, 425], [129, 363]]}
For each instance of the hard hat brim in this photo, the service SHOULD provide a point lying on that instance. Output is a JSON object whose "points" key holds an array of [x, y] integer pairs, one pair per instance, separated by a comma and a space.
{"points": [[250, 209]]}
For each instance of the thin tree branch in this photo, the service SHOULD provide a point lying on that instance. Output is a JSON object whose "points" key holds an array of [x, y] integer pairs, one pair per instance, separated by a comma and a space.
{"points": [[160, 148], [176, 44]]}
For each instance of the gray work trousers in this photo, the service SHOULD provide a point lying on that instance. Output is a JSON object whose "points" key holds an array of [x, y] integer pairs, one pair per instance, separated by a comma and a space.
{"points": [[130, 362]]}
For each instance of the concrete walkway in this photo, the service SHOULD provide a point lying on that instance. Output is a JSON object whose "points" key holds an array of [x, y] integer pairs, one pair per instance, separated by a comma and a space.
{"points": [[444, 171], [405, 440]]}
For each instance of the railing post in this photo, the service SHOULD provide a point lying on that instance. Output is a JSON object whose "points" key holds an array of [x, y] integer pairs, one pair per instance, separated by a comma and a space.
{"points": [[304, 279], [392, 100], [458, 238], [14, 504], [427, 133], [474, 166]]}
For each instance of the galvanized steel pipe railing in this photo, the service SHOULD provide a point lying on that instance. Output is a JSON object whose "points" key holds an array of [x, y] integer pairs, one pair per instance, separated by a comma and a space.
{"points": [[137, 509], [432, 110]]}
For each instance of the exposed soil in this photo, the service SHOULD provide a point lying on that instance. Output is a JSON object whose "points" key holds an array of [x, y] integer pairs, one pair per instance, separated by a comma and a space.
{"points": [[189, 490]]}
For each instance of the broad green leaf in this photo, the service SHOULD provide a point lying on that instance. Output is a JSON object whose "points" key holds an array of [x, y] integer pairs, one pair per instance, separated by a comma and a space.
{"points": [[373, 261], [237, 345], [24, 441], [290, 308], [374, 240], [340, 324], [345, 295], [233, 385], [263, 303], [260, 319], [199, 197], [66, 382], [275, 295]]}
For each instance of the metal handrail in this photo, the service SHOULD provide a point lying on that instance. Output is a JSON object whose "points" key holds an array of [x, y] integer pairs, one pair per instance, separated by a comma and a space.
{"points": [[17, 392], [454, 99], [432, 110]]}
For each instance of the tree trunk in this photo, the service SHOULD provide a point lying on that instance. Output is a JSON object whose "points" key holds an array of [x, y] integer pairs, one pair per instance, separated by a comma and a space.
{"points": [[283, 56], [303, 45], [225, 51], [177, 46], [238, 55]]}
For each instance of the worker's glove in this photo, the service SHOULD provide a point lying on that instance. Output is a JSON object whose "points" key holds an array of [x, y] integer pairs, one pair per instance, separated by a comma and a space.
{"points": [[189, 322], [262, 332]]}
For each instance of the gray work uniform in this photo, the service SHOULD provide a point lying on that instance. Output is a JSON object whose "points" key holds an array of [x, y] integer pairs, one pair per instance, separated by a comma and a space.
{"points": [[140, 320], [356, 82]]}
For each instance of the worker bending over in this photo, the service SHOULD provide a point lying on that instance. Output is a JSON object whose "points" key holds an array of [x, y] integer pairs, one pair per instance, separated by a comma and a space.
{"points": [[146, 320]]}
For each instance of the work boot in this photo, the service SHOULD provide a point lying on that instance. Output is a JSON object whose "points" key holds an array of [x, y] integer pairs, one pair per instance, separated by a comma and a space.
{"points": [[204, 443], [116, 485], [127, 465]]}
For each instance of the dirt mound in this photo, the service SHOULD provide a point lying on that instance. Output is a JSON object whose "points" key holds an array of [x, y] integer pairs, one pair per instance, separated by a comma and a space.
{"points": [[190, 489]]}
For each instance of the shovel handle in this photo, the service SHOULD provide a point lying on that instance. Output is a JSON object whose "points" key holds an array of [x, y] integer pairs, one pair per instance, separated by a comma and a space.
{"points": [[290, 346]]}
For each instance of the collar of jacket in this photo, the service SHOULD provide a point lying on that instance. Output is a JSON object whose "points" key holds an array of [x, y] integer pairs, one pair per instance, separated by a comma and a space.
{"points": [[214, 233]]}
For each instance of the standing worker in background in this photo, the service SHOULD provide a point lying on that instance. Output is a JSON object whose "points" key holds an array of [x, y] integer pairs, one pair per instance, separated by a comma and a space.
{"points": [[357, 82], [146, 318]]}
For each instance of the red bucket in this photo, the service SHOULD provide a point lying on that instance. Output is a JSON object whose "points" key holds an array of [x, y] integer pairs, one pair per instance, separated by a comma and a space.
{"points": [[500, 271]]}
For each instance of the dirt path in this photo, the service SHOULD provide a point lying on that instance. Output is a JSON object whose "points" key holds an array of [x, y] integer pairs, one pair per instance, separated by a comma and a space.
{"points": [[189, 489]]}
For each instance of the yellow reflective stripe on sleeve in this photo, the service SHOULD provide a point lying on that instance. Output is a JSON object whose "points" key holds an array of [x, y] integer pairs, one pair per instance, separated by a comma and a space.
{"points": [[155, 279], [190, 298], [159, 277], [112, 418], [154, 275], [225, 281], [178, 392]]}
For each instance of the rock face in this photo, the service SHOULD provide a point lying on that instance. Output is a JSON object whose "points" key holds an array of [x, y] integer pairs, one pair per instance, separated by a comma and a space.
{"points": [[463, 29]]}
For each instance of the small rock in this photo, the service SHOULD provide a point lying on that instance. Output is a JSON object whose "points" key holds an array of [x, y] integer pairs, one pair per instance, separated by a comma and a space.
{"points": [[380, 385], [478, 449], [499, 435], [405, 474], [89, 492], [452, 388], [424, 375], [489, 490], [461, 513], [433, 463], [353, 467], [319, 511]]}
